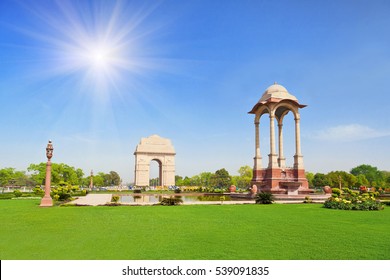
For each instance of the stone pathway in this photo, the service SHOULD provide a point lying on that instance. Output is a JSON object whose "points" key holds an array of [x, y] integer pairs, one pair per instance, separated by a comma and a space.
{"points": [[92, 199]]}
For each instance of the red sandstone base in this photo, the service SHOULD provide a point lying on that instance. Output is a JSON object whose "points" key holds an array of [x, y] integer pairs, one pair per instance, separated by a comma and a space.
{"points": [[46, 202], [281, 181]]}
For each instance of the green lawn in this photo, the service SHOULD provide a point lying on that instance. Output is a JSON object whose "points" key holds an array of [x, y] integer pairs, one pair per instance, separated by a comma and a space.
{"points": [[300, 231]]}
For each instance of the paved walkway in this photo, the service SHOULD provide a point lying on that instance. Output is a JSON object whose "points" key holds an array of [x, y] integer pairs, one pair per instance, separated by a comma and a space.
{"points": [[92, 199]]}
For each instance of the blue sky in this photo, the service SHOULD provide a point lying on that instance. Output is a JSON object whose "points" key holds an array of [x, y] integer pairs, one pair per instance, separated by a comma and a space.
{"points": [[96, 76]]}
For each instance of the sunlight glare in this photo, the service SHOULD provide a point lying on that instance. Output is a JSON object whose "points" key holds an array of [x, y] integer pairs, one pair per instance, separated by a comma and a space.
{"points": [[100, 57], [99, 48]]}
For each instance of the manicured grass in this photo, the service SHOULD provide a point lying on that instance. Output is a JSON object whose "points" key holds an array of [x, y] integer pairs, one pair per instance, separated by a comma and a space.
{"points": [[301, 231]]}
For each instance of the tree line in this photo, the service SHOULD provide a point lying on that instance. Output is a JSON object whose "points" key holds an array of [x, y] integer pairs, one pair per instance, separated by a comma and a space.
{"points": [[61, 174], [219, 179], [362, 175]]}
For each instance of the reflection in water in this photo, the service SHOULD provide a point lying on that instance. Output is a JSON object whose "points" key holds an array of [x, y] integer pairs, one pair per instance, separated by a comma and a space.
{"points": [[156, 198]]}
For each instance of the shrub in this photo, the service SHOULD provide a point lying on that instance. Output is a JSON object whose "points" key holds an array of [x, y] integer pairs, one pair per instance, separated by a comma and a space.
{"points": [[7, 195], [38, 191], [80, 193], [373, 194], [137, 191], [308, 200], [347, 190], [363, 202], [336, 191], [217, 190], [177, 190], [214, 198], [191, 189], [170, 201], [115, 198], [264, 198], [61, 193], [17, 193]]}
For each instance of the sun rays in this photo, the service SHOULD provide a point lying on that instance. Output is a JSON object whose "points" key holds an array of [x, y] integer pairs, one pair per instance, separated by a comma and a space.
{"points": [[97, 44]]}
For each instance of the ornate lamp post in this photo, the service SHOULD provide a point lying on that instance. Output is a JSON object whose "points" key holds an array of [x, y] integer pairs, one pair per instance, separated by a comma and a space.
{"points": [[47, 201], [91, 181]]}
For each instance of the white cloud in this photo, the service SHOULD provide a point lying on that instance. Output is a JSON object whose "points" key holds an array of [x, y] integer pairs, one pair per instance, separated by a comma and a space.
{"points": [[349, 133]]}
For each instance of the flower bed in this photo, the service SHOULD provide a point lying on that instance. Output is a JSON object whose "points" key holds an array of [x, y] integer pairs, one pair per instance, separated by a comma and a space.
{"points": [[349, 200]]}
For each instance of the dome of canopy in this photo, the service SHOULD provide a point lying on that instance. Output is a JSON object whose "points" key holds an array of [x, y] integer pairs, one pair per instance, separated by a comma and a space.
{"points": [[277, 91]]}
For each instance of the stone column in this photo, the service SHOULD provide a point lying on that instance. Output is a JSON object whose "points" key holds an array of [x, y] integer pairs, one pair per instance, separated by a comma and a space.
{"points": [[47, 201], [257, 158], [281, 159], [298, 158], [162, 174], [272, 156]]}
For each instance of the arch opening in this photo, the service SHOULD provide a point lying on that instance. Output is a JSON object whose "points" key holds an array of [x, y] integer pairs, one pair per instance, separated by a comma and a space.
{"points": [[287, 151], [155, 173]]}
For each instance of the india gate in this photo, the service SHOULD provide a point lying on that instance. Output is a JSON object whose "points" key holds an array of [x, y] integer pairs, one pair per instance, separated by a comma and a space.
{"points": [[160, 150], [277, 102]]}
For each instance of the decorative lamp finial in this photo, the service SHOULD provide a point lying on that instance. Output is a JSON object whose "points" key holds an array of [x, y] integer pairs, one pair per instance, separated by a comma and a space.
{"points": [[49, 150]]}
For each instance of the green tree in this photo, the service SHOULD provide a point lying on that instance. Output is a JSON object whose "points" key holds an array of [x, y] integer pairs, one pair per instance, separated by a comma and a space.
{"points": [[38, 172], [67, 173], [99, 179], [221, 178], [6, 174], [310, 178], [80, 175], [10, 176], [361, 180], [244, 179], [320, 180], [154, 182], [205, 178], [178, 180], [60, 172], [186, 181], [373, 175], [22, 179], [195, 180], [386, 175], [346, 179], [115, 179]]}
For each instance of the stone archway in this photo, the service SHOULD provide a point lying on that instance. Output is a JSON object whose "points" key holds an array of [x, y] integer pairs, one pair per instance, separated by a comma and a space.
{"points": [[158, 149]]}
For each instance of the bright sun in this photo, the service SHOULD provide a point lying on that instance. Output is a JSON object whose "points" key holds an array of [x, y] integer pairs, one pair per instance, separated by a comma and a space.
{"points": [[102, 61], [99, 57], [99, 46]]}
